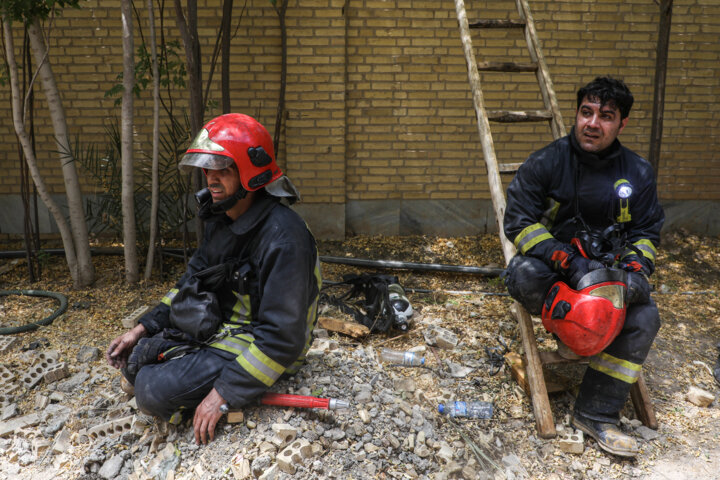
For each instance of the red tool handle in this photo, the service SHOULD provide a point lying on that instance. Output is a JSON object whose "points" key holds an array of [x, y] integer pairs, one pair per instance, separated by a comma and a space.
{"points": [[287, 400]]}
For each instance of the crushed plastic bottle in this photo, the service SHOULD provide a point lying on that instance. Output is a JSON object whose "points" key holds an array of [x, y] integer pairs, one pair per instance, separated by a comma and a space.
{"points": [[401, 358], [476, 409], [402, 309]]}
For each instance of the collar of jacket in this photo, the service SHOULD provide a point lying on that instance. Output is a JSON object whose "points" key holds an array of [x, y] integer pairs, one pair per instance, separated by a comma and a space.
{"points": [[595, 160], [260, 208]]}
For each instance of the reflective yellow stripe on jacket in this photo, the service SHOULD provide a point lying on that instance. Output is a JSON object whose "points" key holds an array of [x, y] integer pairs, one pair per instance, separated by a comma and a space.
{"points": [[252, 359], [168, 298], [531, 236], [646, 247]]}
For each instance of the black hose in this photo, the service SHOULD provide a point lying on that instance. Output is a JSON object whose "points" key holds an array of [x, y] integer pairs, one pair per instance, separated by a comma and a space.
{"points": [[358, 262], [425, 267], [45, 321]]}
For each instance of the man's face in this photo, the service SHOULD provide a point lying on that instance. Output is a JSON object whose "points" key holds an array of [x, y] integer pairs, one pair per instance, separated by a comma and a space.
{"points": [[223, 183], [597, 126]]}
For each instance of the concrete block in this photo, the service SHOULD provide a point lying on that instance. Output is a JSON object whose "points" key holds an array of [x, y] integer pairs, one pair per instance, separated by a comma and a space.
{"points": [[441, 337], [6, 375], [284, 434], [294, 455], [6, 400], [43, 363], [131, 319], [112, 428], [571, 441], [56, 372], [8, 343], [10, 426]]}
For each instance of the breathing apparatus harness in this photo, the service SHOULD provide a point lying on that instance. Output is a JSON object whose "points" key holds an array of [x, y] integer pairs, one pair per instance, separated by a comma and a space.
{"points": [[606, 245]]}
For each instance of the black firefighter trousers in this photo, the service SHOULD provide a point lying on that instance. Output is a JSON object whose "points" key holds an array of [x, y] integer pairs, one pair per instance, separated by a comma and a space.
{"points": [[174, 387], [611, 373]]}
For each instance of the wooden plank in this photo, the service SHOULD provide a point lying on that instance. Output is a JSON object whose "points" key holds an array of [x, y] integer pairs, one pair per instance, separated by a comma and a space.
{"points": [[353, 329], [497, 24], [643, 405], [536, 379], [513, 116], [235, 416], [507, 67], [508, 167]]}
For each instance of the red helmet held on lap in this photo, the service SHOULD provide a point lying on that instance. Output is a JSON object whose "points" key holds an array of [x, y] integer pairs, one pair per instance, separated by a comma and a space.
{"points": [[235, 138], [587, 319]]}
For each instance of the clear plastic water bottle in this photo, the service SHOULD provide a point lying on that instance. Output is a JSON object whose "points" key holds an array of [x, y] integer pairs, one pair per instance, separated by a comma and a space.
{"points": [[401, 306], [468, 409], [401, 358]]}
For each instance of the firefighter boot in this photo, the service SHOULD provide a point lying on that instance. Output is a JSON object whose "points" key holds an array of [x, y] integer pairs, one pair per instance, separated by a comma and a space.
{"points": [[607, 435], [126, 386]]}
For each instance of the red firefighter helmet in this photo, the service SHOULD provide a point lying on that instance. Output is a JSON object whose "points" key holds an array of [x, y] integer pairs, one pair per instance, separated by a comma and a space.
{"points": [[589, 318], [238, 138]]}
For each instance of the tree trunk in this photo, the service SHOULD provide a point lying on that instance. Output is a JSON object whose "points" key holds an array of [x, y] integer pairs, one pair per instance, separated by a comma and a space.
{"points": [[225, 56], [661, 57], [85, 269], [126, 147], [155, 147], [25, 142], [189, 36], [283, 74]]}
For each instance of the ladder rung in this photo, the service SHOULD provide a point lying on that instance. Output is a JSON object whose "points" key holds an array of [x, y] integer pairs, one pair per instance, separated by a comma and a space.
{"points": [[508, 116], [508, 167], [507, 67], [497, 24]]}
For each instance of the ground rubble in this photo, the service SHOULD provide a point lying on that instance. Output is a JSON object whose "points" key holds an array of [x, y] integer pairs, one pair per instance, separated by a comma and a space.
{"points": [[64, 416], [391, 429]]}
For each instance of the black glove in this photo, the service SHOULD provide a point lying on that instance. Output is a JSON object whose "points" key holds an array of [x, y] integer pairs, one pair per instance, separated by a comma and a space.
{"points": [[638, 288], [572, 264]]}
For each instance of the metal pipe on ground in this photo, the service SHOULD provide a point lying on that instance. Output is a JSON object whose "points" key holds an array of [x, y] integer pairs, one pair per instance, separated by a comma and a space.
{"points": [[357, 262]]}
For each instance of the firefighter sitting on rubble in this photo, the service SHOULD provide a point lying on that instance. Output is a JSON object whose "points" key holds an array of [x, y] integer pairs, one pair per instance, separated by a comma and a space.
{"points": [[243, 313], [584, 215]]}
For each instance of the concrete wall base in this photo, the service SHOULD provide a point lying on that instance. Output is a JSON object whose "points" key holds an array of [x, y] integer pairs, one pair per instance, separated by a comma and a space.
{"points": [[447, 218]]}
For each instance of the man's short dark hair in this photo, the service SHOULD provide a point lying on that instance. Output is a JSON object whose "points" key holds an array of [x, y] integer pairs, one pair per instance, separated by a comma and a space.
{"points": [[608, 91]]}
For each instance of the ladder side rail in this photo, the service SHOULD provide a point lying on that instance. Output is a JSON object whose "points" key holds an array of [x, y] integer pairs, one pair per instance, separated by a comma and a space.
{"points": [[543, 72], [496, 189], [536, 380]]}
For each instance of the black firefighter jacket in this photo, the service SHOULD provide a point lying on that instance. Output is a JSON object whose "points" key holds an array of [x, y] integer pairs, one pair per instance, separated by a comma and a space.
{"points": [[542, 203], [268, 326]]}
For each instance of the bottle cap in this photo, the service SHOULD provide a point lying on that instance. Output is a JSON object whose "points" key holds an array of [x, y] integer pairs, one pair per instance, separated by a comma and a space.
{"points": [[441, 408]]}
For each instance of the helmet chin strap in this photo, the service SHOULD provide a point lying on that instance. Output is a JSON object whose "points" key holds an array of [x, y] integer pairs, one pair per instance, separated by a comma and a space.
{"points": [[207, 208]]}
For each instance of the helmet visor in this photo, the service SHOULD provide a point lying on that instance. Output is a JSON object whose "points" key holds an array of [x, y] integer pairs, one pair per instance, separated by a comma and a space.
{"points": [[207, 161]]}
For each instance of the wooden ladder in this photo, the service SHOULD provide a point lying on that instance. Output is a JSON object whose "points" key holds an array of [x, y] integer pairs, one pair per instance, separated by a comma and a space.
{"points": [[551, 115]]}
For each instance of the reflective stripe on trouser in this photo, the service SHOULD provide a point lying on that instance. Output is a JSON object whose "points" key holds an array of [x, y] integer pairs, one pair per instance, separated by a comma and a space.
{"points": [[180, 384], [610, 374]]}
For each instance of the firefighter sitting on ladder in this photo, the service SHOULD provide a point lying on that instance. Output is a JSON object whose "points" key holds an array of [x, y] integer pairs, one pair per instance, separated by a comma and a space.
{"points": [[569, 208], [255, 323]]}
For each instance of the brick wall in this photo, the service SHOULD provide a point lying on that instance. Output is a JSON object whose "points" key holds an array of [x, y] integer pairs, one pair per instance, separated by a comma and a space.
{"points": [[380, 130]]}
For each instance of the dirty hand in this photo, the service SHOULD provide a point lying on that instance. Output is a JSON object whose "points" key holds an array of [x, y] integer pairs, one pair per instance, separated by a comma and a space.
{"points": [[119, 349], [207, 415]]}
